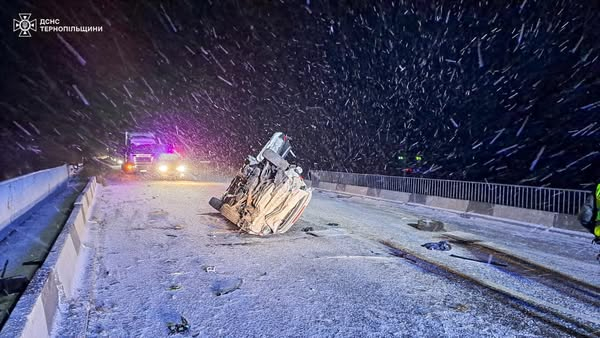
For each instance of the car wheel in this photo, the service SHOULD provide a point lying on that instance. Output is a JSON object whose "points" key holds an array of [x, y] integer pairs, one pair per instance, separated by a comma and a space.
{"points": [[215, 203]]}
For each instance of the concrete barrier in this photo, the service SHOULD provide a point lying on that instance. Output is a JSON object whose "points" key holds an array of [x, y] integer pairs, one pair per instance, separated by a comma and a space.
{"points": [[569, 222], [447, 203], [525, 215], [499, 212], [20, 194], [353, 189], [394, 195], [34, 313], [327, 186], [480, 208]]}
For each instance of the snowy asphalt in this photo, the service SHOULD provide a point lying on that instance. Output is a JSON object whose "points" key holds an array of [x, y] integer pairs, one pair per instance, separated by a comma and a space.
{"points": [[157, 251]]}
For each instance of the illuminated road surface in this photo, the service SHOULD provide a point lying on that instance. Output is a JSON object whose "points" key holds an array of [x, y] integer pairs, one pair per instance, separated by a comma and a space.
{"points": [[157, 251]]}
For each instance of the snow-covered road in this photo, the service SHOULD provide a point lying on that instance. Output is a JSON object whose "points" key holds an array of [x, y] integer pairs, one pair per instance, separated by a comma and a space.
{"points": [[157, 251]]}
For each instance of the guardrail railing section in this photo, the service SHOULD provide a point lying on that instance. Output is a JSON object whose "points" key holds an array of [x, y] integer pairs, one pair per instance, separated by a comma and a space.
{"points": [[564, 201]]}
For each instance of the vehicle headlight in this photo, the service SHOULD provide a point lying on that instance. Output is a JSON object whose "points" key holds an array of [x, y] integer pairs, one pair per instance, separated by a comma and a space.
{"points": [[163, 168], [181, 168], [120, 161]]}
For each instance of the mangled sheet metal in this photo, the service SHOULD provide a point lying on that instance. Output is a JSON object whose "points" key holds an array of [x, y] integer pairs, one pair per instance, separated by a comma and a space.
{"points": [[268, 195]]}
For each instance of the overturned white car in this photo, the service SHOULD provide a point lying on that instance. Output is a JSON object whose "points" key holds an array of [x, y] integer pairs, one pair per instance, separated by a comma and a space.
{"points": [[268, 195]]}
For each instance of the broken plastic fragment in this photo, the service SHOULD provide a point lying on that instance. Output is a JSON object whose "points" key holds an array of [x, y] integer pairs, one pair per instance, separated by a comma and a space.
{"points": [[441, 246], [182, 327]]}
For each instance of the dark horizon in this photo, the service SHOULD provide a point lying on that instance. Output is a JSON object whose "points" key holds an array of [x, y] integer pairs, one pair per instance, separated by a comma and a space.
{"points": [[508, 93]]}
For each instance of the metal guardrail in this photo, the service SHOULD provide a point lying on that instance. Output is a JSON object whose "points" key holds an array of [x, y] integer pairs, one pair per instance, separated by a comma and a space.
{"points": [[564, 201]]}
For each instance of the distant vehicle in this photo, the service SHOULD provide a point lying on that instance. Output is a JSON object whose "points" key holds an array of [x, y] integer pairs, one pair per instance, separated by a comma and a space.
{"points": [[140, 152], [268, 195], [169, 163]]}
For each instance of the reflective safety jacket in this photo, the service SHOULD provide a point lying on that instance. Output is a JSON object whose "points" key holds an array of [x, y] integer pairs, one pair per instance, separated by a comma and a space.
{"points": [[597, 225], [589, 215]]}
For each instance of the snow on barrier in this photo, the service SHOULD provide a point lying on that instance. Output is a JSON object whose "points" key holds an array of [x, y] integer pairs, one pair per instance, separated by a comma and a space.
{"points": [[34, 314], [371, 185], [20, 194]]}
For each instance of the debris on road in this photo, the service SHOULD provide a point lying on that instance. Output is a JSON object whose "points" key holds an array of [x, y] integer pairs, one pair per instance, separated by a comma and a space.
{"points": [[182, 327], [224, 287], [440, 246], [174, 287], [210, 268], [332, 224], [307, 229], [460, 307], [429, 225]]}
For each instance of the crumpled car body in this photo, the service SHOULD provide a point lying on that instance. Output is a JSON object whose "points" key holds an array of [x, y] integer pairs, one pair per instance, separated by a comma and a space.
{"points": [[268, 195]]}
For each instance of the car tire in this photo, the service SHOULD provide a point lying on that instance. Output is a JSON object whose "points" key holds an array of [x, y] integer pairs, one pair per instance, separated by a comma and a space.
{"points": [[215, 203]]}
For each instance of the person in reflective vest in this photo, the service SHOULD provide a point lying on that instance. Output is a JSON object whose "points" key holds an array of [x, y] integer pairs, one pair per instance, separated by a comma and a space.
{"points": [[597, 220], [589, 215]]}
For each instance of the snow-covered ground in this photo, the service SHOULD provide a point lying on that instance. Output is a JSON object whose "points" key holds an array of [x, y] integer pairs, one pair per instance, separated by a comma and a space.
{"points": [[158, 251]]}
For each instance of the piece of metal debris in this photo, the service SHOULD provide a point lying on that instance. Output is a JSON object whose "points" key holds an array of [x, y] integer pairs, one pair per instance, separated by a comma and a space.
{"points": [[429, 225], [182, 327], [440, 246], [224, 287]]}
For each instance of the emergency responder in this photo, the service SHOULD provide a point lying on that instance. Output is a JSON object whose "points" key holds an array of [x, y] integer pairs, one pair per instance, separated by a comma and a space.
{"points": [[589, 215]]}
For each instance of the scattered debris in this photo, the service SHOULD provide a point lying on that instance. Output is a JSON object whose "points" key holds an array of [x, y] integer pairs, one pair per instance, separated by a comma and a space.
{"points": [[440, 246], [428, 225], [307, 229], [210, 268], [460, 307], [479, 260], [224, 287], [174, 287], [171, 235], [332, 224], [182, 327]]}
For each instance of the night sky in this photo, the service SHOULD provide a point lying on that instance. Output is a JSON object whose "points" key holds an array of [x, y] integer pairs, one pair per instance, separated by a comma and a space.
{"points": [[502, 91]]}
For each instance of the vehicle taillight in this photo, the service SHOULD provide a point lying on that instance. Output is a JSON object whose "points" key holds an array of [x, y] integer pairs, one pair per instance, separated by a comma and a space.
{"points": [[128, 167]]}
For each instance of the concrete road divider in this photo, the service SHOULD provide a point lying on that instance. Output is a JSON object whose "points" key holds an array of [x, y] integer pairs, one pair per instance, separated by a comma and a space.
{"points": [[447, 203], [20, 194], [34, 314]]}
